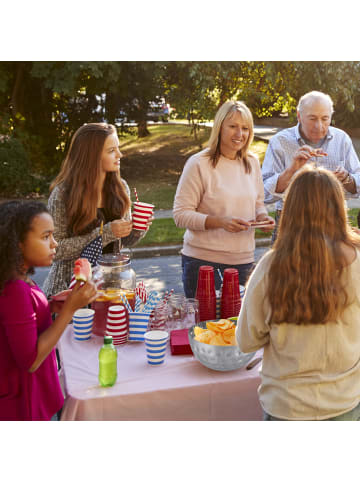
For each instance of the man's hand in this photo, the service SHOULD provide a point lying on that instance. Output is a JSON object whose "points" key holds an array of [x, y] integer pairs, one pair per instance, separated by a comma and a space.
{"points": [[303, 154], [301, 157], [341, 174]]}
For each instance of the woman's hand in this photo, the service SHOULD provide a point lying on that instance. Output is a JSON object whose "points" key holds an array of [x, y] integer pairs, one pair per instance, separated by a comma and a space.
{"points": [[265, 218], [121, 228], [235, 225], [80, 296]]}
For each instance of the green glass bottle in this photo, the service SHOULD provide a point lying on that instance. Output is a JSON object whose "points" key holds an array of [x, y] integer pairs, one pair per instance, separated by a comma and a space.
{"points": [[107, 363]]}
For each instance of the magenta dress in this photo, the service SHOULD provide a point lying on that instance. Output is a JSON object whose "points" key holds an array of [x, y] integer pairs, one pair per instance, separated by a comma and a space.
{"points": [[24, 315]]}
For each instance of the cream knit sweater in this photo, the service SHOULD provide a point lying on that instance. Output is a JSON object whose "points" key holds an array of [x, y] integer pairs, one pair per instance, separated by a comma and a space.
{"points": [[224, 191], [308, 372]]}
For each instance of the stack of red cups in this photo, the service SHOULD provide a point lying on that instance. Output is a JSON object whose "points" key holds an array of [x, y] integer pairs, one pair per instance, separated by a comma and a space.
{"points": [[205, 293], [117, 325], [230, 296]]}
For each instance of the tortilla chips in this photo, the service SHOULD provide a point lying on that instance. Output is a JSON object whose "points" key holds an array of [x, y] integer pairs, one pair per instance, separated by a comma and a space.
{"points": [[220, 332]]}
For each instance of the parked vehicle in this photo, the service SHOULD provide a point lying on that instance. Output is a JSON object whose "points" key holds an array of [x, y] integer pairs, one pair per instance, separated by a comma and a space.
{"points": [[158, 111]]}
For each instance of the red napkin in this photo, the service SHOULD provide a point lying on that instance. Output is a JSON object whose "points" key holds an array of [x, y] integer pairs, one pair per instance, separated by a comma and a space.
{"points": [[179, 342]]}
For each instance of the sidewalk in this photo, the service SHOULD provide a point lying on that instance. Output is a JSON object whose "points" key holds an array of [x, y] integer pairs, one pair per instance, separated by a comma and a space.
{"points": [[263, 133]]}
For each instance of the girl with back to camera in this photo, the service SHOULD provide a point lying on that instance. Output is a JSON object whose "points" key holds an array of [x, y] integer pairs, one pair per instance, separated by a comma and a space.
{"points": [[219, 192], [87, 192], [29, 383], [302, 304]]}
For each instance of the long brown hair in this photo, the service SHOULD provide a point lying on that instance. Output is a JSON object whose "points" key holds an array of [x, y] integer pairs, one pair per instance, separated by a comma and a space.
{"points": [[80, 174], [304, 279], [227, 110]]}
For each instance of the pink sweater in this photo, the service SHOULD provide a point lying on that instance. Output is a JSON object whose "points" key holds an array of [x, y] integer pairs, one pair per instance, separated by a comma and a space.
{"points": [[224, 191], [24, 314]]}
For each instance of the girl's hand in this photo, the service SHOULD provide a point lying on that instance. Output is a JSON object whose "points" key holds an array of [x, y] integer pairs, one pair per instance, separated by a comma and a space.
{"points": [[80, 296], [121, 228], [56, 306], [149, 222], [235, 225]]}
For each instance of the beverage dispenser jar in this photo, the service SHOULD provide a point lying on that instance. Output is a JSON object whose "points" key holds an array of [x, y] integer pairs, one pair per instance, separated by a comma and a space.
{"points": [[113, 276]]}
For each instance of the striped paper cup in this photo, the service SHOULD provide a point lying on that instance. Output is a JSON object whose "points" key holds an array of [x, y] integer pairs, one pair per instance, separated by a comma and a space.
{"points": [[116, 312], [82, 324], [156, 342], [138, 324]]}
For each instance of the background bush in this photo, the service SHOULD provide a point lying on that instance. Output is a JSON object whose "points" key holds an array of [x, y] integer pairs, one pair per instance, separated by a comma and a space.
{"points": [[16, 178]]}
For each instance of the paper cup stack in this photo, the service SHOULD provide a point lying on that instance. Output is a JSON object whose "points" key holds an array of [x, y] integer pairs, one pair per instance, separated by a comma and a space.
{"points": [[138, 324], [82, 324], [116, 324], [141, 213], [156, 342]]}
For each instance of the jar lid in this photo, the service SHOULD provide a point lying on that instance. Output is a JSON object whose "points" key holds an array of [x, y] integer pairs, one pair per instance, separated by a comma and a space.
{"points": [[114, 260]]}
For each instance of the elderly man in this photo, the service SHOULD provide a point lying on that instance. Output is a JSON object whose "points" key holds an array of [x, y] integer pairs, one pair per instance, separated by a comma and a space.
{"points": [[314, 140]]}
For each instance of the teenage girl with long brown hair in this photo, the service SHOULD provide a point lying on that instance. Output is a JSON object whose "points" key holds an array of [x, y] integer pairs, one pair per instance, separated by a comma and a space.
{"points": [[302, 304], [88, 191]]}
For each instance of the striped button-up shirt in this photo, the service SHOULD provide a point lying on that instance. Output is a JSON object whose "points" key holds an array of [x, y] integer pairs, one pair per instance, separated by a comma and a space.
{"points": [[282, 147]]}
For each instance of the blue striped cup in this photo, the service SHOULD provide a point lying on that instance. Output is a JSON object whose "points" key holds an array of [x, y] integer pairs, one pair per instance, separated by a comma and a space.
{"points": [[82, 324], [156, 344], [138, 324]]}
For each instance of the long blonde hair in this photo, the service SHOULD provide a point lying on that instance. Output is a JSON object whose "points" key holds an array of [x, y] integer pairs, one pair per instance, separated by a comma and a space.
{"points": [[304, 279], [227, 110], [80, 174]]}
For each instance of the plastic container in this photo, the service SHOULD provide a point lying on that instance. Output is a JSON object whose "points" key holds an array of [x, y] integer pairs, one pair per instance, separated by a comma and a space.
{"points": [[107, 363], [113, 276]]}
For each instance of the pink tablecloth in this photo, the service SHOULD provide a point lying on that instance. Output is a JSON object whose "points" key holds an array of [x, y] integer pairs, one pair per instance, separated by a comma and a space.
{"points": [[180, 389]]}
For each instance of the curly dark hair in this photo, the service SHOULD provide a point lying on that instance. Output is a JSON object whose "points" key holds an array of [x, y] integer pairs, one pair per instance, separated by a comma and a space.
{"points": [[15, 222]]}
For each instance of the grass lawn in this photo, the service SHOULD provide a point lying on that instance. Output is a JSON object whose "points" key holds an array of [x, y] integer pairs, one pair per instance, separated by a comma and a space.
{"points": [[164, 231], [154, 164]]}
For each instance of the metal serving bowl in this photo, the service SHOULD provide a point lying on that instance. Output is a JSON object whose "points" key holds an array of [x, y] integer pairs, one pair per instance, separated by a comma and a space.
{"points": [[218, 357]]}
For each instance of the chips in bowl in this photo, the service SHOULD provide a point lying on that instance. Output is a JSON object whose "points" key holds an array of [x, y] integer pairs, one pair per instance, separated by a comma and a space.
{"points": [[220, 332], [213, 344]]}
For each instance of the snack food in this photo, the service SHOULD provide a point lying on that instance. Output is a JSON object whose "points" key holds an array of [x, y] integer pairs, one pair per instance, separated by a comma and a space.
{"points": [[220, 332], [318, 153], [82, 270]]}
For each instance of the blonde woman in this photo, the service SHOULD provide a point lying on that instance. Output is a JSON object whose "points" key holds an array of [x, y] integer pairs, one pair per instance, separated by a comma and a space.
{"points": [[89, 191], [302, 304], [219, 192]]}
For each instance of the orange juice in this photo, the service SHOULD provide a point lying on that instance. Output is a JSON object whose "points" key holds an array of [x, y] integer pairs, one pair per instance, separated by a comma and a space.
{"points": [[109, 297]]}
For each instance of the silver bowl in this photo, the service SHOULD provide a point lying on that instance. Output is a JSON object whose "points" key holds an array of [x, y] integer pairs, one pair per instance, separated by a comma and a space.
{"points": [[218, 357]]}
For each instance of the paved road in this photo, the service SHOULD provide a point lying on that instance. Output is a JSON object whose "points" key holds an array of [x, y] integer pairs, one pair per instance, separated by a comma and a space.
{"points": [[159, 273]]}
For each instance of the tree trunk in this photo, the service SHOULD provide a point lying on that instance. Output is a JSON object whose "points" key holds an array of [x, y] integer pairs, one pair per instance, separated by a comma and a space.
{"points": [[15, 101], [142, 129]]}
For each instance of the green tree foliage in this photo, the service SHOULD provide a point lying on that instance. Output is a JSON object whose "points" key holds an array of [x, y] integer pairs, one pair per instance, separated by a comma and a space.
{"points": [[43, 103]]}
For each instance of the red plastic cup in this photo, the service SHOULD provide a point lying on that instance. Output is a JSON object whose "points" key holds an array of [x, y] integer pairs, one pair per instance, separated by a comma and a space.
{"points": [[205, 293], [230, 296], [205, 283]]}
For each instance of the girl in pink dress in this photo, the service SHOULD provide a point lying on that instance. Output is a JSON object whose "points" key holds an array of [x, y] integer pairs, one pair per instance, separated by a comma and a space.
{"points": [[29, 382]]}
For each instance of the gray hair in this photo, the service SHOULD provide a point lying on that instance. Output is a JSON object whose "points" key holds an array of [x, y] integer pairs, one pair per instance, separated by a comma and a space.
{"points": [[314, 96]]}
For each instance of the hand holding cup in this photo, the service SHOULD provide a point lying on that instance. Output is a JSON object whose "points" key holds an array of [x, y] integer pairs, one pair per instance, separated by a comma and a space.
{"points": [[121, 228]]}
